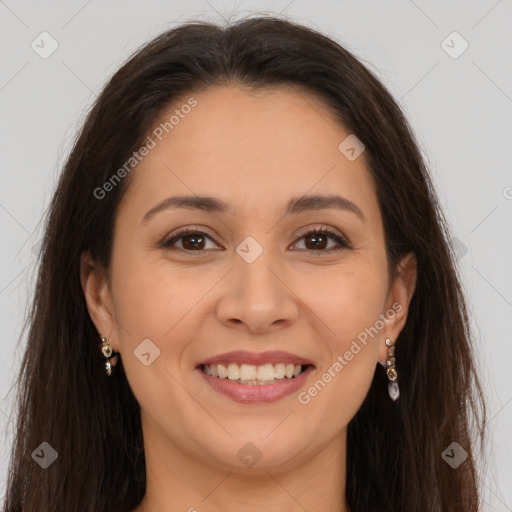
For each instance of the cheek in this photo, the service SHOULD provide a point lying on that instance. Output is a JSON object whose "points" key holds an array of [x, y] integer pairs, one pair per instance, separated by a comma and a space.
{"points": [[351, 316], [347, 298], [349, 304], [151, 297], [337, 392], [157, 303]]}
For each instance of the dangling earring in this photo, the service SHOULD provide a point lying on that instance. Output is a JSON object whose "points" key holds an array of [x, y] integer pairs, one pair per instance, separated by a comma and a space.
{"points": [[106, 350], [393, 390]]}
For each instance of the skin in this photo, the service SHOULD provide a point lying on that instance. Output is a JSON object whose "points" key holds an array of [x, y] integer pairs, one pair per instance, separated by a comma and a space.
{"points": [[254, 151]]}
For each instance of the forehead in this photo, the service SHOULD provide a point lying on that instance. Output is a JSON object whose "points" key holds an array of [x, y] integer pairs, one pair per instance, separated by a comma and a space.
{"points": [[248, 147]]}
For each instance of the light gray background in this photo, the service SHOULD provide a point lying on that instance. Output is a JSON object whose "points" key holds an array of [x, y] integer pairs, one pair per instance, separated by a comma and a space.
{"points": [[460, 110]]}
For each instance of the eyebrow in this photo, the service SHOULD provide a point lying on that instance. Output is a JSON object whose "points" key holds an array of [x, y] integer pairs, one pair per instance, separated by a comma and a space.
{"points": [[295, 205]]}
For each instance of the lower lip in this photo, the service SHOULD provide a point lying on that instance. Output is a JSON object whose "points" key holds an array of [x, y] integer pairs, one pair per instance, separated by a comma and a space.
{"points": [[256, 393]]}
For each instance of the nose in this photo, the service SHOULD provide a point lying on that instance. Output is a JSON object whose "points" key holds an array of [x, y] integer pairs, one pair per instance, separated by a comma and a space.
{"points": [[258, 297]]}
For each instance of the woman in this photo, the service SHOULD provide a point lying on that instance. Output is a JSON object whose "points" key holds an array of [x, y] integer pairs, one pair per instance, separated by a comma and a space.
{"points": [[243, 230]]}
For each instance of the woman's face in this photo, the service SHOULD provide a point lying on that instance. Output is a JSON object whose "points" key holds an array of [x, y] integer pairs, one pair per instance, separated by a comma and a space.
{"points": [[254, 279]]}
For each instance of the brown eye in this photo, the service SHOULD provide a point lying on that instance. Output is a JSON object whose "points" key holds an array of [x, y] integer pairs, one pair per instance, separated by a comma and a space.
{"points": [[314, 240], [191, 240], [318, 240]]}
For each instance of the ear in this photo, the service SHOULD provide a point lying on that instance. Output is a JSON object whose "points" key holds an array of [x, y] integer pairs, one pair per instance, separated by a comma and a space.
{"points": [[95, 286], [400, 293]]}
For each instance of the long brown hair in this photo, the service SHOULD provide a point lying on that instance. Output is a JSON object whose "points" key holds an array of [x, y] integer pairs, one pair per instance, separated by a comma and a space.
{"points": [[64, 398]]}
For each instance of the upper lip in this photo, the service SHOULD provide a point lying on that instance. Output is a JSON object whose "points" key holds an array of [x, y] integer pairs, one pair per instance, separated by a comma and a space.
{"points": [[256, 358]]}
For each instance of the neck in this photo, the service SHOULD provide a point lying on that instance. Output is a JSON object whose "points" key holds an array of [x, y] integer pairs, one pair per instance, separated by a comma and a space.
{"points": [[175, 481]]}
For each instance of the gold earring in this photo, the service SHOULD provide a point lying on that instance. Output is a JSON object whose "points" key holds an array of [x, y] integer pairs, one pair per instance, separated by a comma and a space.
{"points": [[393, 390], [106, 350]]}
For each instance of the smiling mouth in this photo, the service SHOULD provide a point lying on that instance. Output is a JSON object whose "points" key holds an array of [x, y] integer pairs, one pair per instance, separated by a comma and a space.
{"points": [[254, 375]]}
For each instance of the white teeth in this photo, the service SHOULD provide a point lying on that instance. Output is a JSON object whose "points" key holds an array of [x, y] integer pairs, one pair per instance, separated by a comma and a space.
{"points": [[223, 371], [266, 372], [233, 371], [248, 372], [279, 371], [253, 375]]}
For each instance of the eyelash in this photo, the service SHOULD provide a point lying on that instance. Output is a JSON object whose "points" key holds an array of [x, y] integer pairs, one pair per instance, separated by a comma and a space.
{"points": [[340, 240]]}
